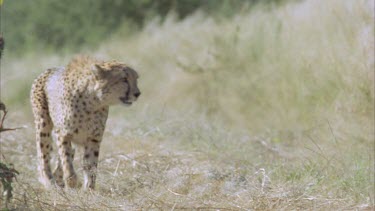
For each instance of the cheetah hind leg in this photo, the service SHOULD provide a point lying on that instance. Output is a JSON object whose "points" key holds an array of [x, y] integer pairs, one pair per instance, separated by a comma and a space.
{"points": [[58, 174]]}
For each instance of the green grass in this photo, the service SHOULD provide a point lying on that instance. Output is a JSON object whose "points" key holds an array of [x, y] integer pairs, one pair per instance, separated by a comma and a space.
{"points": [[270, 109]]}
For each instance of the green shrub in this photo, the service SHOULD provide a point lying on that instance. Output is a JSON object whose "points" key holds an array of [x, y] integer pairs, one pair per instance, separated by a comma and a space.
{"points": [[70, 25]]}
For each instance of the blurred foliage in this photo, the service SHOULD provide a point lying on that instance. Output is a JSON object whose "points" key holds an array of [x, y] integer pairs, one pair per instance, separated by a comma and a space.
{"points": [[70, 25]]}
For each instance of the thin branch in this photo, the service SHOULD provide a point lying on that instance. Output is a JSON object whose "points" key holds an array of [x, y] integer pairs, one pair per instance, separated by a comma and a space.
{"points": [[330, 128], [2, 123]]}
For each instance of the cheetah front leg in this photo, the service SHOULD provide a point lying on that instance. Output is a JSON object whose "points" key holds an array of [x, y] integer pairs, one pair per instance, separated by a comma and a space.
{"points": [[90, 162], [66, 153]]}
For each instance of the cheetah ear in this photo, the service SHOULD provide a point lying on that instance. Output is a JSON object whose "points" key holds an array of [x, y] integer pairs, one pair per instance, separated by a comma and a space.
{"points": [[98, 71]]}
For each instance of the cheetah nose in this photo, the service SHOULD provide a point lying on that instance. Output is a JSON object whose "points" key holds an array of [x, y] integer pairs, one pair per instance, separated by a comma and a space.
{"points": [[137, 94]]}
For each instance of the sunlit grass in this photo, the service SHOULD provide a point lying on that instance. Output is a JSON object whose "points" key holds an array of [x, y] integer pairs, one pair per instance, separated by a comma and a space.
{"points": [[271, 109]]}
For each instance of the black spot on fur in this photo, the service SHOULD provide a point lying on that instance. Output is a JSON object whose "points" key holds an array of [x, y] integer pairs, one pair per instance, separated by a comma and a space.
{"points": [[96, 153], [94, 140]]}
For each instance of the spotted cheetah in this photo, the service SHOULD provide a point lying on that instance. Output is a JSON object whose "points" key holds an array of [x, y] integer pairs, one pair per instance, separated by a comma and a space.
{"points": [[73, 103]]}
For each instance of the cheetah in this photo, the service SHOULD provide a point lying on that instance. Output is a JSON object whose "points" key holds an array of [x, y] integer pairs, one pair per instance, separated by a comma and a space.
{"points": [[72, 104]]}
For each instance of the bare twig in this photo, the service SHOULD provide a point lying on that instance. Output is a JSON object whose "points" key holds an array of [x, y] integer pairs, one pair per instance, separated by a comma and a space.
{"points": [[2, 129], [274, 150], [330, 128]]}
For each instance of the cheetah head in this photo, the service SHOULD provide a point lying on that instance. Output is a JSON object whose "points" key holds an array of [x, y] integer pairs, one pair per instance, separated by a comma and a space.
{"points": [[116, 83]]}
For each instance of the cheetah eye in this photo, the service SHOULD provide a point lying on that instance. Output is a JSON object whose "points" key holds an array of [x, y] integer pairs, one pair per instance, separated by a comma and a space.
{"points": [[125, 80]]}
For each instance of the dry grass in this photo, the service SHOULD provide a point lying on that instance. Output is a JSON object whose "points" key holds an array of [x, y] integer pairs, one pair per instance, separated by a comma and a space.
{"points": [[272, 109]]}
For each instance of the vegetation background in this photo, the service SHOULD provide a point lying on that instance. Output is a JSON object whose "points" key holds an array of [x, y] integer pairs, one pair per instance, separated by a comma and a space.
{"points": [[246, 105]]}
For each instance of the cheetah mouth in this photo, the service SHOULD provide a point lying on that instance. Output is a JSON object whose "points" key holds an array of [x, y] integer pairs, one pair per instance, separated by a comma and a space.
{"points": [[125, 101]]}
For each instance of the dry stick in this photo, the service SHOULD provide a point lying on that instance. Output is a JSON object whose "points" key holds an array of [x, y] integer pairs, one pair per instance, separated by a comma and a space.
{"points": [[205, 207], [84, 205], [107, 206], [121, 155], [318, 147], [2, 123], [36, 198], [65, 196], [269, 148], [330, 128]]}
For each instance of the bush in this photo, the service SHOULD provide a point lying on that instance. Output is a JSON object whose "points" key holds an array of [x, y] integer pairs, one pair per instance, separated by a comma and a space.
{"points": [[70, 25]]}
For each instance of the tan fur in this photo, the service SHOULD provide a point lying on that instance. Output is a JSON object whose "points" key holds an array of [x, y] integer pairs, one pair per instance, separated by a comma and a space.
{"points": [[73, 103]]}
